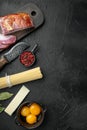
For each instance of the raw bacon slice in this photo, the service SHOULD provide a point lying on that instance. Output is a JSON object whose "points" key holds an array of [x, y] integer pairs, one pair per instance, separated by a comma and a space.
{"points": [[6, 41], [15, 22], [2, 47]]}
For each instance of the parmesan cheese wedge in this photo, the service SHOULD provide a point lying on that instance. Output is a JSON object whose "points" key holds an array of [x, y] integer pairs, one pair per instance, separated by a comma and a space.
{"points": [[22, 93]]}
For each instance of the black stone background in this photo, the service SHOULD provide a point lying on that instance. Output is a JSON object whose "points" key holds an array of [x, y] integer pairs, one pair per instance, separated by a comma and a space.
{"points": [[62, 56]]}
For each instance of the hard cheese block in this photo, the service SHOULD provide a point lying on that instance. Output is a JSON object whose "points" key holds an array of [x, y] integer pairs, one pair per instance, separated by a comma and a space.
{"points": [[22, 93]]}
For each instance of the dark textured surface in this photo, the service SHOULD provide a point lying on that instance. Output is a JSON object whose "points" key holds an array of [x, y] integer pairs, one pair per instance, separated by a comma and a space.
{"points": [[62, 56]]}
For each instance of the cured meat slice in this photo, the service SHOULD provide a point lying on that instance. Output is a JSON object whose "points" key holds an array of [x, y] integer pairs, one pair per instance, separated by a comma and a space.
{"points": [[2, 47], [6, 41], [15, 22]]}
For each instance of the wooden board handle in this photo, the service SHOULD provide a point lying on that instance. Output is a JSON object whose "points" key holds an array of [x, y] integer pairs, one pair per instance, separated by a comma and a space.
{"points": [[3, 62]]}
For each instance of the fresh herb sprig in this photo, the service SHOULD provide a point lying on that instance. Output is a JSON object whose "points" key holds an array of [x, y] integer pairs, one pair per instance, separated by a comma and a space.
{"points": [[4, 96]]}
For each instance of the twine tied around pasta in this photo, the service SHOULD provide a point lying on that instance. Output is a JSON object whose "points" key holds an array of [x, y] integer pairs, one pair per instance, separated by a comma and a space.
{"points": [[22, 77]]}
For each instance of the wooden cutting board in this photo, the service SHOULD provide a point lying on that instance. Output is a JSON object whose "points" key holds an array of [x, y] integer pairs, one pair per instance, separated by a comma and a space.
{"points": [[36, 15]]}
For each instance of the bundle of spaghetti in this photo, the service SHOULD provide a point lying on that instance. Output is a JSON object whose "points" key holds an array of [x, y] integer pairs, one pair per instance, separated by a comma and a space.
{"points": [[22, 77]]}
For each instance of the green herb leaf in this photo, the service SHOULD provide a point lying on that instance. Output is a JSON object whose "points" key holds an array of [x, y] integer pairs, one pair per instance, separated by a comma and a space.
{"points": [[5, 95], [1, 109]]}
